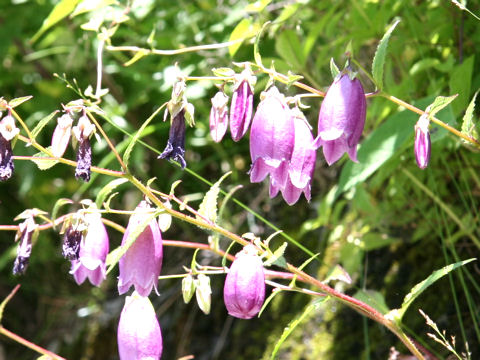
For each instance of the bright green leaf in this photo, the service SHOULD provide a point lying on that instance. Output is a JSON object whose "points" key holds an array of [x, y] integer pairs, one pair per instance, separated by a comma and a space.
{"points": [[91, 5], [469, 127], [107, 189], [334, 68], [245, 29], [288, 46], [460, 83], [44, 164], [58, 204], [41, 124], [439, 103], [138, 55], [379, 58], [208, 207], [17, 101], [277, 257], [257, 6]]}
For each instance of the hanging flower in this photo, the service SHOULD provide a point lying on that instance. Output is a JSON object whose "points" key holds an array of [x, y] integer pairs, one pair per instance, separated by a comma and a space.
{"points": [[61, 135], [8, 131], [24, 249], [271, 140], [94, 249], [242, 104], [422, 142], [342, 118], [175, 149], [139, 336], [244, 290], [82, 132], [219, 116], [141, 264]]}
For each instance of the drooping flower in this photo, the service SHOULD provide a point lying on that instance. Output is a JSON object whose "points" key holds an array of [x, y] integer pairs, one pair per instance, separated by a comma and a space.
{"points": [[94, 249], [271, 140], [342, 118], [219, 116], [83, 131], [141, 264], [71, 242], [175, 149], [244, 290], [422, 142], [61, 135], [302, 163], [241, 107], [139, 336], [8, 131], [24, 249]]}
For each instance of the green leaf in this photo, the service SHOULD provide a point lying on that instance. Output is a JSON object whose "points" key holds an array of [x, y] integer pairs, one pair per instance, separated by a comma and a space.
{"points": [[239, 33], [288, 46], [379, 58], [58, 204], [257, 6], [460, 83], [86, 6], [60, 11], [41, 124], [44, 164], [338, 273], [421, 286], [138, 134], [277, 257], [208, 207], [372, 298], [138, 55], [17, 101], [256, 50], [107, 189], [469, 127], [334, 68], [439, 103]]}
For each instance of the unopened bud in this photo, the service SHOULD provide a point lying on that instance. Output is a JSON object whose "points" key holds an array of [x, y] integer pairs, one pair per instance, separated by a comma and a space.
{"points": [[188, 288], [203, 293]]}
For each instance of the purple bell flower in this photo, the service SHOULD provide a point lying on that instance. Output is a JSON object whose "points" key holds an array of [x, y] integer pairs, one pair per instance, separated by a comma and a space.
{"points": [[219, 116], [271, 140], [139, 336], [140, 266], [175, 149], [341, 119], [242, 105], [94, 249], [422, 142], [244, 290]]}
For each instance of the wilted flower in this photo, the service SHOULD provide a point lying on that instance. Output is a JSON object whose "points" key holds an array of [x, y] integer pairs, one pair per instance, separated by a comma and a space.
{"points": [[61, 135], [140, 266], [83, 131], [8, 131], [71, 240], [244, 290], [24, 249], [302, 163], [175, 149], [422, 142], [242, 104], [139, 336], [342, 118], [219, 116], [271, 140], [94, 248]]}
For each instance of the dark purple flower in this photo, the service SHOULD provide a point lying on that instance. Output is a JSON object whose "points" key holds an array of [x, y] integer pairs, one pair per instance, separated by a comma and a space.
{"points": [[24, 248], [341, 119], [244, 290], [242, 105], [8, 131], [422, 142], [94, 249], [271, 140], [61, 135], [139, 336], [219, 116], [83, 131], [175, 149], [140, 266]]}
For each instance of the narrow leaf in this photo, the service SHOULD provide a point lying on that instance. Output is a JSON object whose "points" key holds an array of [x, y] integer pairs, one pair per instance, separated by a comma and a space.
{"points": [[256, 51], [334, 68], [439, 103], [208, 207], [41, 124], [138, 55], [379, 58], [421, 286], [338, 273], [277, 257], [240, 32], [107, 189], [17, 101], [372, 298], [44, 164], [469, 127], [58, 204]]}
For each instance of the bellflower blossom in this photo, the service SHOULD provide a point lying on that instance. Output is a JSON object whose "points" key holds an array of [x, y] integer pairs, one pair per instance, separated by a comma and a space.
{"points": [[422, 142], [83, 131], [341, 119], [61, 135], [140, 266], [94, 249], [219, 116], [24, 249], [244, 290], [71, 241], [271, 140], [242, 104], [8, 131], [139, 336]]}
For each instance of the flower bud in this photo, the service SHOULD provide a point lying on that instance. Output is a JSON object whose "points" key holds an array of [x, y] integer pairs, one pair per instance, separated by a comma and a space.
{"points": [[188, 288], [203, 293], [139, 336], [242, 105], [422, 142], [8, 131], [219, 116], [61, 135], [244, 290]]}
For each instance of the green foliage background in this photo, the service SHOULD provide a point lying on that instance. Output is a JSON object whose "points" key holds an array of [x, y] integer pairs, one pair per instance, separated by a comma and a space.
{"points": [[386, 222]]}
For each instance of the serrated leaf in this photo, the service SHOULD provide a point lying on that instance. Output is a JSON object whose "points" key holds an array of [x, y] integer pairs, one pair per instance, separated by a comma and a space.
{"points": [[337, 273], [138, 55], [107, 189], [208, 207], [469, 127], [421, 286], [41, 124], [372, 298], [17, 101], [334, 68], [277, 257], [379, 58], [439, 103], [59, 12], [58, 204], [44, 164]]}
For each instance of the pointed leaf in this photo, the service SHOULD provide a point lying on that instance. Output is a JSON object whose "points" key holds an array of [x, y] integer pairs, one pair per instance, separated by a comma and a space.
{"points": [[17, 101], [439, 103], [244, 30], [334, 68], [469, 127], [277, 257], [372, 298], [208, 207], [338, 273], [58, 204], [107, 189], [379, 58], [41, 124], [138, 55], [44, 164]]}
